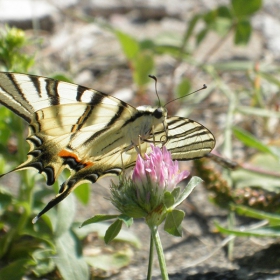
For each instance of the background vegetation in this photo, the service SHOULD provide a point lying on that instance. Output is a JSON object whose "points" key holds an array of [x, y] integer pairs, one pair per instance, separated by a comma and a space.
{"points": [[246, 183]]}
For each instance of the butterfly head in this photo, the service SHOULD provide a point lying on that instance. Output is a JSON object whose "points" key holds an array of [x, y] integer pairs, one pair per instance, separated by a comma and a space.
{"points": [[158, 113], [154, 122]]}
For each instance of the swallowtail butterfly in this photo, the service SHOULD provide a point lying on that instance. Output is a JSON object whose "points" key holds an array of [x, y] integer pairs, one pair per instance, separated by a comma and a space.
{"points": [[91, 133]]}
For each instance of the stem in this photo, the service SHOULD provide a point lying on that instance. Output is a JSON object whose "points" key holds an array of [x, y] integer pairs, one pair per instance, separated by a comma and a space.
{"points": [[26, 188], [217, 45], [24, 198], [151, 257], [231, 222], [161, 260]]}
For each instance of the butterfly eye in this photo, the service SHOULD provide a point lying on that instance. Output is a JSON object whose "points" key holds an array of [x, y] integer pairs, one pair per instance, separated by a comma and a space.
{"points": [[158, 113]]}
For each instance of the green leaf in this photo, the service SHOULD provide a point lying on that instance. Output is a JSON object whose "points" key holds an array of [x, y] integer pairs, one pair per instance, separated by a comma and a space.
{"points": [[269, 231], [224, 12], [243, 8], [62, 77], [176, 192], [270, 78], [100, 228], [143, 65], [183, 87], [191, 25], [222, 25], [273, 219], [147, 44], [130, 45], [98, 218], [210, 17], [250, 141], [188, 189], [173, 222], [69, 260], [201, 35], [40, 234], [112, 231], [16, 270], [22, 248], [168, 199], [5, 199], [267, 162], [219, 20], [110, 262], [126, 219], [258, 111], [83, 193], [45, 262], [264, 173], [12, 57], [65, 215], [244, 178], [171, 50], [242, 32]]}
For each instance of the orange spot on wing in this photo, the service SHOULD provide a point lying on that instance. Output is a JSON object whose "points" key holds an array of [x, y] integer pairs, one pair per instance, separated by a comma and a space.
{"points": [[89, 164], [65, 154]]}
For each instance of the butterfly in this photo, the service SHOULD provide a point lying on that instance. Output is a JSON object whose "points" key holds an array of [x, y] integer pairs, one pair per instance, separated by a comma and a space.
{"points": [[91, 133]]}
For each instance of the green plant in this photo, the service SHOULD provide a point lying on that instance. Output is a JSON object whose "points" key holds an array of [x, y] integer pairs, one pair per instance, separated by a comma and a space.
{"points": [[12, 57], [54, 244], [150, 193], [140, 57], [255, 181], [46, 239], [25, 248]]}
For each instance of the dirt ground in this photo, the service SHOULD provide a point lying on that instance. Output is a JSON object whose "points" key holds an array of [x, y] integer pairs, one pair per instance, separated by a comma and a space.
{"points": [[92, 57]]}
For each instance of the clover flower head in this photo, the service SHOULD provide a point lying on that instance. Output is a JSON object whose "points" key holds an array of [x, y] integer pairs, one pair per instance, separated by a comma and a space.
{"points": [[159, 169], [142, 195]]}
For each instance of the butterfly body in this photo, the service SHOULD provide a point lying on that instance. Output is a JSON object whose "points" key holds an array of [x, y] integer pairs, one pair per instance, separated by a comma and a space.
{"points": [[91, 133]]}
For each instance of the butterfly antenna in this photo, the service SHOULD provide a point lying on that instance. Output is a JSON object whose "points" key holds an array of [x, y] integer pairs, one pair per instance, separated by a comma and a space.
{"points": [[204, 87], [155, 79]]}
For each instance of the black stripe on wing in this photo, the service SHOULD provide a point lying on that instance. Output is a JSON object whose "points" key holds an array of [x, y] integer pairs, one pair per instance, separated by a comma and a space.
{"points": [[51, 89], [188, 139], [36, 84], [82, 119], [18, 89], [12, 96], [115, 118]]}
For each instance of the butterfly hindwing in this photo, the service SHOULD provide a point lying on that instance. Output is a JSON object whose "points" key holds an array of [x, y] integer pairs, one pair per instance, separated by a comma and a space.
{"points": [[188, 139], [91, 133]]}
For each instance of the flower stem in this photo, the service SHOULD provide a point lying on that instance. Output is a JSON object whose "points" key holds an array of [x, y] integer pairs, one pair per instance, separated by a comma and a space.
{"points": [[161, 260], [151, 258]]}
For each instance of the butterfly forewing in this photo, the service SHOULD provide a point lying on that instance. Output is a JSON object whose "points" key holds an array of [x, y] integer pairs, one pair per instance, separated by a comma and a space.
{"points": [[91, 133], [26, 94]]}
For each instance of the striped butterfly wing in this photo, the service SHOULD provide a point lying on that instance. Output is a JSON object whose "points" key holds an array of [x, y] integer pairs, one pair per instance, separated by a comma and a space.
{"points": [[188, 139], [91, 133], [184, 138], [62, 115], [26, 94]]}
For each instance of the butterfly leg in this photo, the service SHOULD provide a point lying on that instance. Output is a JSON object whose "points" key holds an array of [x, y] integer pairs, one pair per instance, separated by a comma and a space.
{"points": [[123, 168], [163, 139]]}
